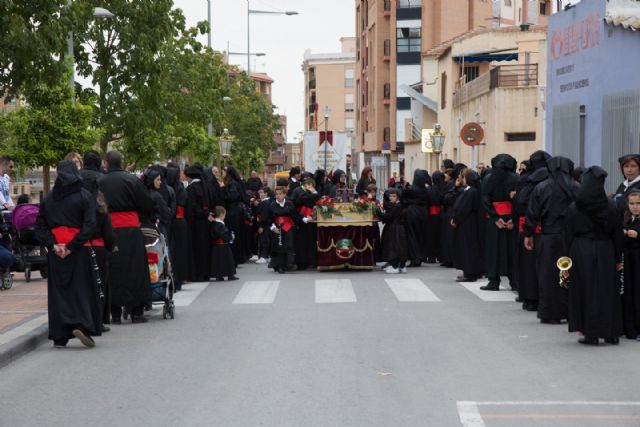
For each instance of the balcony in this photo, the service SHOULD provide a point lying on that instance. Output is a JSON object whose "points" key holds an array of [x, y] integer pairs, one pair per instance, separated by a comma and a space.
{"points": [[504, 76], [387, 93], [312, 84], [387, 50], [276, 158], [387, 8]]}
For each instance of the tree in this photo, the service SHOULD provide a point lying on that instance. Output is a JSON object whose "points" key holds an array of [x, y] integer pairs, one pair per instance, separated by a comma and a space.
{"points": [[48, 128]]}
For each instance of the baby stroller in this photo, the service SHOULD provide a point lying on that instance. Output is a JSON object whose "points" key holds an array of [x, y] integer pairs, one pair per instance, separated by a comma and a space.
{"points": [[162, 285], [6, 239], [26, 247]]}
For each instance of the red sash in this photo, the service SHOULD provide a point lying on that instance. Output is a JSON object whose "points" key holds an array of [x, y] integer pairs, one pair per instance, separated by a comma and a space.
{"points": [[219, 241], [503, 208], [125, 219], [435, 210], [521, 226], [180, 212], [64, 235], [305, 210], [99, 242], [285, 222]]}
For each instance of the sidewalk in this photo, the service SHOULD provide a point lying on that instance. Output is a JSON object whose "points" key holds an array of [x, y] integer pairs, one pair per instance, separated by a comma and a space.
{"points": [[23, 317]]}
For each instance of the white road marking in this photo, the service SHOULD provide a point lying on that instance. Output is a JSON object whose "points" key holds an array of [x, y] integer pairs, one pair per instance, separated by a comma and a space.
{"points": [[258, 292], [469, 414], [23, 329], [411, 290], [334, 291], [188, 294], [503, 295]]}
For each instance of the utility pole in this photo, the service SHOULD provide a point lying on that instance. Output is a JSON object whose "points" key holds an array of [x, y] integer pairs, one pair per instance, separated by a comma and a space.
{"points": [[327, 110]]}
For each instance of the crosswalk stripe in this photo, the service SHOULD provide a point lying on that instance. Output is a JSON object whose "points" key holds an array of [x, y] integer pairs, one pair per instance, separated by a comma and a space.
{"points": [[334, 291], [258, 292], [503, 295], [411, 290], [188, 294]]}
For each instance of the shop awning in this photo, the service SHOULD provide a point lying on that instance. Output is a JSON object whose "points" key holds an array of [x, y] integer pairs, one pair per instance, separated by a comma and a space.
{"points": [[488, 57]]}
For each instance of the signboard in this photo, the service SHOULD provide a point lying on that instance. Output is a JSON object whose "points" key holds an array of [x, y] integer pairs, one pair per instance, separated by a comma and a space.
{"points": [[427, 141], [335, 153], [472, 134]]}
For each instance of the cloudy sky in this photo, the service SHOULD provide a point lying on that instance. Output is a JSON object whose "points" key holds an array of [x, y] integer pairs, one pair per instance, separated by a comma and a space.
{"points": [[283, 39]]}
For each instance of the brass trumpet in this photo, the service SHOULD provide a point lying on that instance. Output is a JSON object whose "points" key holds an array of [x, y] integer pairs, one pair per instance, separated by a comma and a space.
{"points": [[564, 265]]}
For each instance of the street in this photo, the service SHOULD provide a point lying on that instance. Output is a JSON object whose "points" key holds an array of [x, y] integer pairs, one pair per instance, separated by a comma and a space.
{"points": [[329, 349]]}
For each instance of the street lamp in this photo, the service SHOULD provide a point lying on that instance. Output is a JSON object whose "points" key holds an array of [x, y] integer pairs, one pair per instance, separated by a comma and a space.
{"points": [[259, 12], [225, 144], [98, 13], [437, 138], [327, 110]]}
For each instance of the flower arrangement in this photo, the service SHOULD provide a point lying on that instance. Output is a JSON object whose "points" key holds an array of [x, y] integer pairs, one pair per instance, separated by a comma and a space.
{"points": [[363, 205], [325, 207]]}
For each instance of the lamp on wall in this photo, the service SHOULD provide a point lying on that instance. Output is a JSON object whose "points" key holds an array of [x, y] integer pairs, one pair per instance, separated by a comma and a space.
{"points": [[437, 138], [225, 144]]}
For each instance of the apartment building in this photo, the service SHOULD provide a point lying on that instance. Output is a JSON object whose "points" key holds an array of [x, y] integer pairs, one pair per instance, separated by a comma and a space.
{"points": [[392, 35]]}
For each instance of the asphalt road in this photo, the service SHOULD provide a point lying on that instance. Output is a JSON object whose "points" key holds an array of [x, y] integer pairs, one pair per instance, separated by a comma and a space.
{"points": [[329, 349]]}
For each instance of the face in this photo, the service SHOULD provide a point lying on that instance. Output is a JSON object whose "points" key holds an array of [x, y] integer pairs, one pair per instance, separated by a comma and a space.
{"points": [[447, 177], [7, 168], [631, 170], [280, 195], [157, 182], [349, 160], [261, 194], [308, 187], [480, 167], [343, 179], [393, 198], [634, 205], [254, 174], [222, 216], [216, 172], [77, 162]]}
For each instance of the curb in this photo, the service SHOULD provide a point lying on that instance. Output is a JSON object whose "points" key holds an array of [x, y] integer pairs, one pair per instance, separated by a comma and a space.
{"points": [[18, 347]]}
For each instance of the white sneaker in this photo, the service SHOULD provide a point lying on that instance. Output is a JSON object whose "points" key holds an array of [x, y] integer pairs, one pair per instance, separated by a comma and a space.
{"points": [[391, 270], [262, 261], [254, 258]]}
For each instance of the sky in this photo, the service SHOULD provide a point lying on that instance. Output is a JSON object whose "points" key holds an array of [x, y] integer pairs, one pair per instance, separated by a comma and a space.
{"points": [[283, 39]]}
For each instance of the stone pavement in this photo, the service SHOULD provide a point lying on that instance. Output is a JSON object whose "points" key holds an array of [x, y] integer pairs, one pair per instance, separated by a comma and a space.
{"points": [[23, 317]]}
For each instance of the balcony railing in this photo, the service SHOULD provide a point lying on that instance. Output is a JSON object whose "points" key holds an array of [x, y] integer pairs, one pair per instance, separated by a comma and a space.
{"points": [[504, 76]]}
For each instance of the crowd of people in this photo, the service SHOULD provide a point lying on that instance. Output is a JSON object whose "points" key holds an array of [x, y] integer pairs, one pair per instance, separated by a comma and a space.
{"points": [[496, 222]]}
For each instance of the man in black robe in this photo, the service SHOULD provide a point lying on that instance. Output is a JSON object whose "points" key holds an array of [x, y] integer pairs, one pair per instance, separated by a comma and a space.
{"points": [[306, 235], [65, 223], [294, 180], [548, 209], [496, 202], [179, 239], [452, 191], [415, 199], [128, 200], [199, 218]]}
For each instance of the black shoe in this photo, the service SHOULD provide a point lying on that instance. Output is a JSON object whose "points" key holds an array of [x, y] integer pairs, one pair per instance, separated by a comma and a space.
{"points": [[415, 263], [105, 328], [139, 319], [631, 337], [230, 278], [612, 341], [85, 339], [292, 267], [550, 321], [281, 270], [491, 286], [116, 321], [465, 279], [588, 341], [219, 279], [530, 306], [518, 299]]}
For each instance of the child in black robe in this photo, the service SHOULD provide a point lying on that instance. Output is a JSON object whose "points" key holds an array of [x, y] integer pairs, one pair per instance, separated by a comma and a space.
{"points": [[394, 235], [262, 218], [467, 254], [282, 216], [631, 295], [222, 261]]}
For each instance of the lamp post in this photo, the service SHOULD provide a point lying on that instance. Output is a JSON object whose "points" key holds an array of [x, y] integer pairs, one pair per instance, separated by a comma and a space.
{"points": [[259, 12], [98, 13], [327, 110], [437, 138], [225, 145]]}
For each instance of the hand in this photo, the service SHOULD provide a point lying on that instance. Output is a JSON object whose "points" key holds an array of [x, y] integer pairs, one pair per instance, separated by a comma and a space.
{"points": [[510, 225], [61, 250], [632, 233], [528, 243], [501, 224], [512, 194], [619, 266], [276, 230], [260, 230], [453, 224], [131, 167], [210, 218], [306, 219]]}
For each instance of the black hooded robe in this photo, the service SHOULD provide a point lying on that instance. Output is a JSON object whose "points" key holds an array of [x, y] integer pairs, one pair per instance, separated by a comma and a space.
{"points": [[446, 231], [631, 296], [72, 292], [435, 217], [306, 236], [179, 239], [222, 262], [235, 201], [416, 200], [595, 240], [197, 212], [468, 255], [283, 246]]}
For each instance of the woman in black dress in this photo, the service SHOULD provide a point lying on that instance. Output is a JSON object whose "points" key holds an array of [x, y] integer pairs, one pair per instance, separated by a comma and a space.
{"points": [[199, 218], [235, 202], [415, 199]]}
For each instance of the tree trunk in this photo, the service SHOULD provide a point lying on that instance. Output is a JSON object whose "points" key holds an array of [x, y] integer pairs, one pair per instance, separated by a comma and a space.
{"points": [[46, 179], [104, 144]]}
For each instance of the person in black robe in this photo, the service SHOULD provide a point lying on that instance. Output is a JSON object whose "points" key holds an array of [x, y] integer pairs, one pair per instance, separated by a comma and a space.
{"points": [[415, 199], [465, 220], [547, 209], [235, 202], [66, 221], [631, 295], [282, 218], [394, 234], [179, 238], [294, 180], [264, 234], [594, 239], [254, 183], [339, 189], [525, 260], [306, 236], [452, 190], [128, 201], [322, 185], [435, 217], [366, 179], [102, 239], [199, 219], [630, 166], [222, 262], [161, 217], [168, 195], [496, 202]]}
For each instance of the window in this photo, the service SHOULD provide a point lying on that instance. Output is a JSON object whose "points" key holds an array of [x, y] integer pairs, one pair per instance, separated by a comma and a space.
{"points": [[387, 47], [471, 73], [402, 4], [348, 77], [507, 2], [386, 135], [443, 90], [543, 8], [387, 91], [348, 102], [409, 40], [348, 124], [520, 136], [387, 5]]}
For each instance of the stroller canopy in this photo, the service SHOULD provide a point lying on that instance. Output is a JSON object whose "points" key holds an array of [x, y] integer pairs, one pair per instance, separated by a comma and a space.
{"points": [[25, 216]]}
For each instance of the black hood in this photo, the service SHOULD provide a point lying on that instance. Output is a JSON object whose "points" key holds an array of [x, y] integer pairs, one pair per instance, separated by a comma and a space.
{"points": [[448, 164], [68, 181], [420, 177], [539, 159], [592, 198], [233, 173], [438, 179], [560, 170], [92, 161], [173, 177], [336, 176], [457, 169], [473, 180], [195, 171], [538, 175], [149, 176]]}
